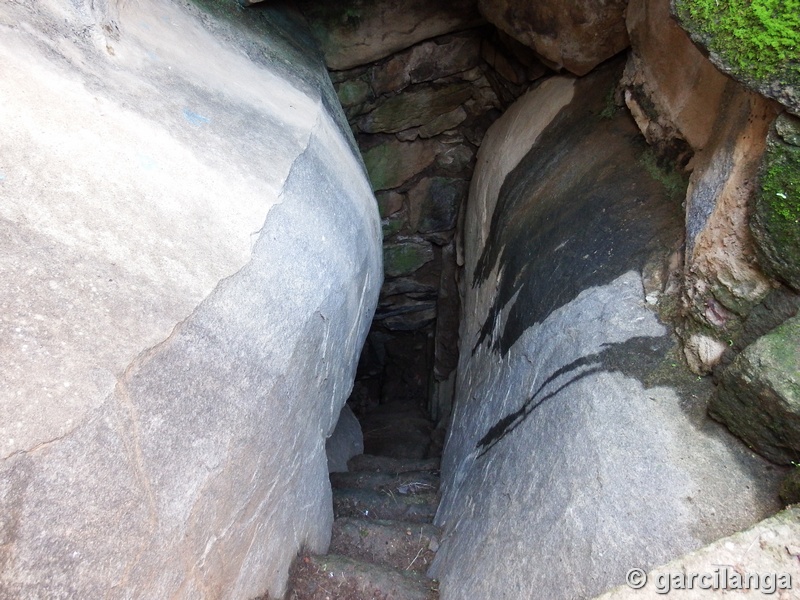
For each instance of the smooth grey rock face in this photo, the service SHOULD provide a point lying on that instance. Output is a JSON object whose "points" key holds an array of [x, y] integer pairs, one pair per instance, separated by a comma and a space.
{"points": [[565, 466], [189, 269], [345, 442]]}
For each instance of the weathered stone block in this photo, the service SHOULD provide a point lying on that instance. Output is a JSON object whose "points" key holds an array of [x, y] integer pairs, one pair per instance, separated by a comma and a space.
{"points": [[357, 32], [766, 553], [353, 92], [428, 61], [392, 225], [759, 394], [406, 256], [578, 39], [776, 219], [414, 108], [723, 280], [676, 90], [443, 123], [389, 203], [434, 203], [392, 163]]}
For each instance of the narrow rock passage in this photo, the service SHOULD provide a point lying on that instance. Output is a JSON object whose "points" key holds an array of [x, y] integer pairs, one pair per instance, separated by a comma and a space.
{"points": [[383, 541]]}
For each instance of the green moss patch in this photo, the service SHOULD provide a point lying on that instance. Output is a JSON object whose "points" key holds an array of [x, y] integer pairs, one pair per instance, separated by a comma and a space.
{"points": [[405, 257], [758, 396], [760, 39], [776, 223], [662, 171]]}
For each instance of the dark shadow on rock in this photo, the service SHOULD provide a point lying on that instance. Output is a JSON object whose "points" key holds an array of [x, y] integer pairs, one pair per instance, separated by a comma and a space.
{"points": [[635, 357], [578, 211]]}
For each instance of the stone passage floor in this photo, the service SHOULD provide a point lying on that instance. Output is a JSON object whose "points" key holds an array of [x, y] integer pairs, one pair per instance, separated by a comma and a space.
{"points": [[383, 541]]}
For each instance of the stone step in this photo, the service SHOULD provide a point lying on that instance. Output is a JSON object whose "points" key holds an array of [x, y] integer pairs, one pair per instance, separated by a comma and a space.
{"points": [[399, 544], [410, 482], [370, 462], [332, 577], [417, 507]]}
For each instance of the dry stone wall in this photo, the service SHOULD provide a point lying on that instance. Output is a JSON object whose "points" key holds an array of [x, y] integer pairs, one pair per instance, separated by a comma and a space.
{"points": [[419, 116]]}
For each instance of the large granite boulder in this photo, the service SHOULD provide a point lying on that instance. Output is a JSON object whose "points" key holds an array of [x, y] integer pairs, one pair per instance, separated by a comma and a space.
{"points": [[190, 262], [346, 441], [578, 448], [759, 394], [577, 38]]}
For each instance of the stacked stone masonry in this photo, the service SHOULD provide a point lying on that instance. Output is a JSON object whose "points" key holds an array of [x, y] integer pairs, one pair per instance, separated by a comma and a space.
{"points": [[419, 117]]}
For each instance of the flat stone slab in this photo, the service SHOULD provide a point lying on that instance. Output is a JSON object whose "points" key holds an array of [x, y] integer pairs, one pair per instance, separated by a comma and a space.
{"points": [[410, 482], [397, 544], [371, 504], [332, 577], [769, 552], [759, 394]]}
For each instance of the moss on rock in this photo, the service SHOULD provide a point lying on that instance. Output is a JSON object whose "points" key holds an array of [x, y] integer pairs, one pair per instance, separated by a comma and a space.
{"points": [[405, 257], [353, 92], [776, 219], [759, 394], [759, 37], [392, 163], [664, 172], [756, 41]]}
